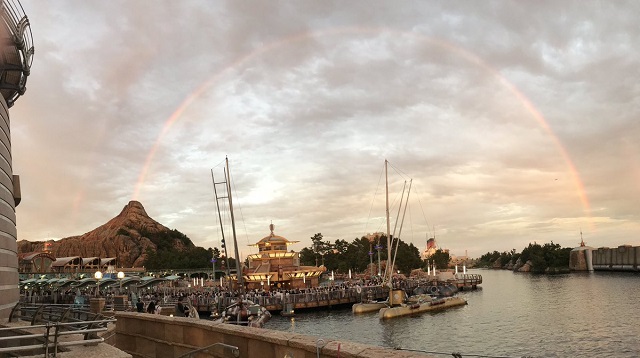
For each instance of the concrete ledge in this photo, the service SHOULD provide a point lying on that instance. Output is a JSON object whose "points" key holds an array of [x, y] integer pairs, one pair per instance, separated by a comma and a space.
{"points": [[146, 335]]}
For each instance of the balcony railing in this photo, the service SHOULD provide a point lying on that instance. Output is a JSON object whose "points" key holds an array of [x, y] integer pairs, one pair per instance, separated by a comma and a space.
{"points": [[17, 45]]}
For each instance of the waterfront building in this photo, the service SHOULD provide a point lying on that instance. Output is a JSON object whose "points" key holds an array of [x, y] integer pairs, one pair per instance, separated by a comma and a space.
{"points": [[16, 45], [35, 262], [276, 267]]}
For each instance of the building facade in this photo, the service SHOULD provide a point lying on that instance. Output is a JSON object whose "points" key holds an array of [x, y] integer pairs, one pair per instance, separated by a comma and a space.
{"points": [[15, 63], [276, 267]]}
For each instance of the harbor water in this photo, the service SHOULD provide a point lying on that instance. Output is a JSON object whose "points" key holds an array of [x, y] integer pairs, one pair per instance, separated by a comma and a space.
{"points": [[511, 315]]}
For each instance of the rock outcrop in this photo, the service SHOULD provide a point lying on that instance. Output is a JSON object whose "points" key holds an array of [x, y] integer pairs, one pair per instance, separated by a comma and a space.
{"points": [[126, 237], [526, 267]]}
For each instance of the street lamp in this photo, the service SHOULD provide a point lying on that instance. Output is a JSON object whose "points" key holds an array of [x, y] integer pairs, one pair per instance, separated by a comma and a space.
{"points": [[378, 247], [120, 277], [213, 263], [371, 239], [98, 276]]}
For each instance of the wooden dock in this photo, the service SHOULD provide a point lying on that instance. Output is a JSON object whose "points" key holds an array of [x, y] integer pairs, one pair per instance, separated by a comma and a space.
{"points": [[468, 281], [330, 297], [301, 301]]}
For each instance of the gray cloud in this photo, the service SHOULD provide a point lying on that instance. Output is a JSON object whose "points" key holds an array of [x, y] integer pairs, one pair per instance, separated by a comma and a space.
{"points": [[475, 101]]}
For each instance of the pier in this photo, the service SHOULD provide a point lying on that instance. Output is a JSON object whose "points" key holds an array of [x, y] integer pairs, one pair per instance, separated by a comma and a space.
{"points": [[328, 297], [300, 301]]}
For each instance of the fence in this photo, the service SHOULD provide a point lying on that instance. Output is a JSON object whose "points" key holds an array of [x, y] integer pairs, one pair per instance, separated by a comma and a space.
{"points": [[48, 324]]}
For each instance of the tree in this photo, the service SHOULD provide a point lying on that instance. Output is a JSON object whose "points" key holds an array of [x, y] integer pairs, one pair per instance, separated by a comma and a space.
{"points": [[441, 259], [356, 257], [407, 258], [307, 257]]}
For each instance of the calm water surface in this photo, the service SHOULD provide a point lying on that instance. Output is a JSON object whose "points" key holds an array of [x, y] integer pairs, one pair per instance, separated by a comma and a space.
{"points": [[512, 315]]}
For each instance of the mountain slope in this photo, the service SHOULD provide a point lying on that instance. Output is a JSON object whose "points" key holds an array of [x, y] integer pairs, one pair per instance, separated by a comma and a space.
{"points": [[126, 237]]}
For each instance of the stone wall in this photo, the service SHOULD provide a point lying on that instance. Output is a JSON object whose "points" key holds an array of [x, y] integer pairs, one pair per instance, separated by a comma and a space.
{"points": [[578, 259], [145, 335], [621, 258]]}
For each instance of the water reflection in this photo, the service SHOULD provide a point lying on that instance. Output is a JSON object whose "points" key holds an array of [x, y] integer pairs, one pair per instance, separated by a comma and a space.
{"points": [[513, 315]]}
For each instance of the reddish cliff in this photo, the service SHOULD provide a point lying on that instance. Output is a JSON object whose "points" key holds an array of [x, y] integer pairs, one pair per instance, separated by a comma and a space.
{"points": [[125, 237]]}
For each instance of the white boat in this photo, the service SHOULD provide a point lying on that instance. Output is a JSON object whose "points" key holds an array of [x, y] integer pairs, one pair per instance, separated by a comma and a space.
{"points": [[367, 307], [245, 313], [422, 304]]}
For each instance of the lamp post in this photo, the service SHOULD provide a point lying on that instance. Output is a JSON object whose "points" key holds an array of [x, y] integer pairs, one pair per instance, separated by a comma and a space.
{"points": [[213, 263], [371, 239], [378, 247], [120, 277], [98, 276]]}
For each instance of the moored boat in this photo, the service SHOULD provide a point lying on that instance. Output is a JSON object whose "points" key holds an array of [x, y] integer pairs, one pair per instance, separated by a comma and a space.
{"points": [[370, 305], [245, 313], [366, 307], [421, 304]]}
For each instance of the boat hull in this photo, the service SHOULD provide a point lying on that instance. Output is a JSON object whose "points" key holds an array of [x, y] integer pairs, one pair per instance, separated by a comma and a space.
{"points": [[367, 307], [412, 309]]}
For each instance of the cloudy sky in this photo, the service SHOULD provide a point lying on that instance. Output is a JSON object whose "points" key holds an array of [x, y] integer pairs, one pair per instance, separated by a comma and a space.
{"points": [[517, 121]]}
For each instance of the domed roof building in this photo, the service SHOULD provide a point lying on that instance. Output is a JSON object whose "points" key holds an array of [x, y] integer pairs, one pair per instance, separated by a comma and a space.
{"points": [[275, 267]]}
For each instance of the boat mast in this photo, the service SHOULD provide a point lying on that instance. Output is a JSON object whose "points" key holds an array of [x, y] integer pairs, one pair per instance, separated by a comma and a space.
{"points": [[386, 181], [404, 213], [233, 228], [224, 245], [387, 268]]}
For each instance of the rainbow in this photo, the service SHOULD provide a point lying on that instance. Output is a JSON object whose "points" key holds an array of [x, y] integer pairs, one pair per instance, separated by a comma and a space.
{"points": [[288, 41]]}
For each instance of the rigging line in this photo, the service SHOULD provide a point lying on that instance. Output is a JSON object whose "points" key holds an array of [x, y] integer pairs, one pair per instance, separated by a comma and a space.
{"points": [[217, 165], [402, 173], [411, 228], [392, 207], [244, 224], [406, 204], [423, 214], [393, 236], [404, 187], [456, 354], [372, 201]]}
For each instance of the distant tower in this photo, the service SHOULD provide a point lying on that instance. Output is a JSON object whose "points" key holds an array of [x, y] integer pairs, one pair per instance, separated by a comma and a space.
{"points": [[16, 55]]}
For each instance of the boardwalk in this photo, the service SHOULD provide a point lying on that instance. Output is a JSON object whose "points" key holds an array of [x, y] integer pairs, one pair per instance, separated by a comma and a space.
{"points": [[306, 300], [329, 296], [208, 299]]}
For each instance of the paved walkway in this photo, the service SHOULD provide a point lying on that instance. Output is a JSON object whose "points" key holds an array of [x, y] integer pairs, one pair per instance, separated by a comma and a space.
{"points": [[100, 350]]}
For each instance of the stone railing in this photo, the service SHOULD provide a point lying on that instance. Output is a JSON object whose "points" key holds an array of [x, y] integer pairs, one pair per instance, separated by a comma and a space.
{"points": [[146, 335]]}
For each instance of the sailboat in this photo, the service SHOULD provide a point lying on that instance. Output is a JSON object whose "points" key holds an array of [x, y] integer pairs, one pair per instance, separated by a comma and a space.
{"points": [[243, 311], [399, 304], [375, 306]]}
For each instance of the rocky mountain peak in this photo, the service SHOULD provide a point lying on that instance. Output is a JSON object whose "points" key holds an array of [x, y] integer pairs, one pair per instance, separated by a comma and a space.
{"points": [[126, 237]]}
